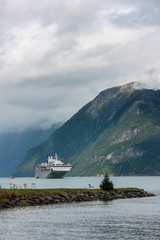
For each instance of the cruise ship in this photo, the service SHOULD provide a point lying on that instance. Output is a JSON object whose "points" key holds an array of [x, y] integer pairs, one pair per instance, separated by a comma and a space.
{"points": [[53, 168]]}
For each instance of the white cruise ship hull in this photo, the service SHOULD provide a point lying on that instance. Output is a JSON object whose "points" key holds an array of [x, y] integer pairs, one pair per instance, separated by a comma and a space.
{"points": [[53, 168], [48, 174], [58, 172]]}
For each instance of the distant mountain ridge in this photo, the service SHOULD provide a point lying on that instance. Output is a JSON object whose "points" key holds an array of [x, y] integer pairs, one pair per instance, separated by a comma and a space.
{"points": [[118, 132], [15, 145]]}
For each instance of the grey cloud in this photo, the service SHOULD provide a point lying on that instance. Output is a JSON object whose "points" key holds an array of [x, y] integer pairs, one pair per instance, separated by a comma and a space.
{"points": [[126, 13], [55, 56]]}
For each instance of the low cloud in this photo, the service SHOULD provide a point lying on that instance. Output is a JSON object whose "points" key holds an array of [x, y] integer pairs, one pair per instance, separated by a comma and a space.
{"points": [[55, 56], [149, 80]]}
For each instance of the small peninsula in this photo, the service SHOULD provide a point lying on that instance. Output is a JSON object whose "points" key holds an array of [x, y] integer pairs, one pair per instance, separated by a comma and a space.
{"points": [[10, 198]]}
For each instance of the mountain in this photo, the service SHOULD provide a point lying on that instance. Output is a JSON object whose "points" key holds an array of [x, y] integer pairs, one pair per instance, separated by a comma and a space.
{"points": [[118, 132], [15, 145]]}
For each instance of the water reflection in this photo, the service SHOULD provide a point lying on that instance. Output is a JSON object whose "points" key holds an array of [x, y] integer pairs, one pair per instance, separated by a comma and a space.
{"points": [[118, 219]]}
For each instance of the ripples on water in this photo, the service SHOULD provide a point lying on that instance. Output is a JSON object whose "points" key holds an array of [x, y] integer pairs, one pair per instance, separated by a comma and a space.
{"points": [[118, 219]]}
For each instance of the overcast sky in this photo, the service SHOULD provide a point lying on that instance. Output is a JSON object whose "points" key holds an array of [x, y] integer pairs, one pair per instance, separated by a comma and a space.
{"points": [[56, 55]]}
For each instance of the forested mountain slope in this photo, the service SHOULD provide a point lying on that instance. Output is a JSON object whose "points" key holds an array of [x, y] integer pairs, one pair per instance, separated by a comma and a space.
{"points": [[119, 131]]}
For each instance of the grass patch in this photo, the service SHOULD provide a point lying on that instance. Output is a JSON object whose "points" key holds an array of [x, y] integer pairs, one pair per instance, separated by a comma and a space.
{"points": [[6, 194], [24, 203]]}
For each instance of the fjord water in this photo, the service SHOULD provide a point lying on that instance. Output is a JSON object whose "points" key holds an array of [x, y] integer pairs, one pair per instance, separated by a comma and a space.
{"points": [[118, 219]]}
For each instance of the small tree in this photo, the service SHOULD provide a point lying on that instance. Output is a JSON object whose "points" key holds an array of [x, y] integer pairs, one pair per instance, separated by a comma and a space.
{"points": [[106, 184]]}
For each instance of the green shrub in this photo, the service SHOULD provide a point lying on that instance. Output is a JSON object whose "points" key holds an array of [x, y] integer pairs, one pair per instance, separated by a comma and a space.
{"points": [[106, 184]]}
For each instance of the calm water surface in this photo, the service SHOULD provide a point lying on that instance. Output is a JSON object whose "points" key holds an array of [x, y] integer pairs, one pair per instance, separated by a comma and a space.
{"points": [[118, 219]]}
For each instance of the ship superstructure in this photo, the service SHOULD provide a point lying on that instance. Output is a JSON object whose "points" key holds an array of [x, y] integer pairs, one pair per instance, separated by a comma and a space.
{"points": [[53, 168]]}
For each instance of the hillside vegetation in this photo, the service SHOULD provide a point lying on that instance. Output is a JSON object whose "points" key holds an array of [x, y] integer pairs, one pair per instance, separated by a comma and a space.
{"points": [[117, 132]]}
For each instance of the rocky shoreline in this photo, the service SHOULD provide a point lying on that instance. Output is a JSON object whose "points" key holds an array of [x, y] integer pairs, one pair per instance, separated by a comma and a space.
{"points": [[68, 196]]}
